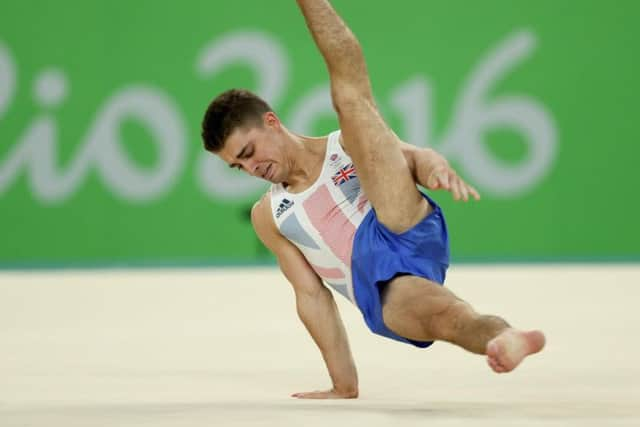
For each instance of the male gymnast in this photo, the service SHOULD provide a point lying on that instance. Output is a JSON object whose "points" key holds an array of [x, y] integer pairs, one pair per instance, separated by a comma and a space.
{"points": [[345, 210]]}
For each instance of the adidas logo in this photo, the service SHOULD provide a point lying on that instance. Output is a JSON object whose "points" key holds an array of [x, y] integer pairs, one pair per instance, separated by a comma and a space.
{"points": [[284, 205]]}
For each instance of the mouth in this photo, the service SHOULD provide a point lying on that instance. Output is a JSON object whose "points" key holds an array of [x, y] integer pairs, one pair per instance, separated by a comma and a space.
{"points": [[267, 174]]}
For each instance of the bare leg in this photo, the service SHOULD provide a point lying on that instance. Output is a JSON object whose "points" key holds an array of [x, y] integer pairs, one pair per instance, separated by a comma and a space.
{"points": [[412, 307], [421, 310], [382, 169]]}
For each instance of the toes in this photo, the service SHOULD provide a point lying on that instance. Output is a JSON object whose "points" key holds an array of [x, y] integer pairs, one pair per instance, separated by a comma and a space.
{"points": [[495, 365], [491, 363]]}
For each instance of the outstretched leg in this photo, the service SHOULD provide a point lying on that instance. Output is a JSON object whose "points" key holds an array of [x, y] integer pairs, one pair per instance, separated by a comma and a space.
{"points": [[422, 310], [375, 149]]}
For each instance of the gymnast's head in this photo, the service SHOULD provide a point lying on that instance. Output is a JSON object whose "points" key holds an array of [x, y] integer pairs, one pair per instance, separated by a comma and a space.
{"points": [[242, 129]]}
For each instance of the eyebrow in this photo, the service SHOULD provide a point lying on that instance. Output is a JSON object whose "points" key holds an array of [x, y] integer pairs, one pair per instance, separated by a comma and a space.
{"points": [[239, 155]]}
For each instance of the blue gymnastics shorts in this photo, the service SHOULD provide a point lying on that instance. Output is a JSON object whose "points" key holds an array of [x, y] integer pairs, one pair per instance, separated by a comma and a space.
{"points": [[379, 255]]}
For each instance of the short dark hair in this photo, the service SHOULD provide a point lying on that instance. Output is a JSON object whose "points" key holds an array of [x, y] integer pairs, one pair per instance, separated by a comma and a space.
{"points": [[228, 111]]}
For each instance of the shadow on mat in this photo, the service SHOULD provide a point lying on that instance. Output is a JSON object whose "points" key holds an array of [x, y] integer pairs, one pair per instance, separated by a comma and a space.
{"points": [[513, 410]]}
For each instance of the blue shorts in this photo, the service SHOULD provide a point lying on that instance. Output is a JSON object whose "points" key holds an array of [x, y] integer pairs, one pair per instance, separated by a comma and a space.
{"points": [[379, 255]]}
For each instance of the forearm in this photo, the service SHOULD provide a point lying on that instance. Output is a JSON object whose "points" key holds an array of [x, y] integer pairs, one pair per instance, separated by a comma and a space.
{"points": [[427, 161], [337, 44], [320, 316], [423, 162]]}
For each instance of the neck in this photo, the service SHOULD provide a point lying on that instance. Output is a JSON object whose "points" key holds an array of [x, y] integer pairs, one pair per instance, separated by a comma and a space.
{"points": [[305, 156]]}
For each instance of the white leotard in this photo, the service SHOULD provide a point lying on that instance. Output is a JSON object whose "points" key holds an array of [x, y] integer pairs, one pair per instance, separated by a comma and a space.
{"points": [[322, 220]]}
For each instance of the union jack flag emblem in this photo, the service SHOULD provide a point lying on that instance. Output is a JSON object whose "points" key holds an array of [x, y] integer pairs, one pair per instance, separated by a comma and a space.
{"points": [[344, 174]]}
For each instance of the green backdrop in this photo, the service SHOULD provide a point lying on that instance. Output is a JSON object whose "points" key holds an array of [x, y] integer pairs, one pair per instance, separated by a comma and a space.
{"points": [[100, 106]]}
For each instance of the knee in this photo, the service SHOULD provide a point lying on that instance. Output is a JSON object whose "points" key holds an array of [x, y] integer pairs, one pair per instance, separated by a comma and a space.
{"points": [[401, 220]]}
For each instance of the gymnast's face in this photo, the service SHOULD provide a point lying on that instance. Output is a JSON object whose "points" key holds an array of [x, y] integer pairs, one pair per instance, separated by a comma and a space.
{"points": [[257, 150]]}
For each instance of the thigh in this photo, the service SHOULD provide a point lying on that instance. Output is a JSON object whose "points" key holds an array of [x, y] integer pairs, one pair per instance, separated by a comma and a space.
{"points": [[410, 304], [382, 169]]}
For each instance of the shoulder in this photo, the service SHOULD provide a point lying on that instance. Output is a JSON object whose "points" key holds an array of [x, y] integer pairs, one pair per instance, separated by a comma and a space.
{"points": [[408, 150], [263, 222], [261, 211]]}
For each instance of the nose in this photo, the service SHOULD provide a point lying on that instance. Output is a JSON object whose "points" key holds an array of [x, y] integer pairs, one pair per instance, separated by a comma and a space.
{"points": [[251, 166]]}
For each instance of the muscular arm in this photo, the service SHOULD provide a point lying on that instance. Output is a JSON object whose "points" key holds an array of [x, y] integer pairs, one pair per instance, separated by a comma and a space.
{"points": [[315, 306]]}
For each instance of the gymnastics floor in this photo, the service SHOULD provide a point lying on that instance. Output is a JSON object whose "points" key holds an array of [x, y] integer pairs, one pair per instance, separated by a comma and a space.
{"points": [[224, 347]]}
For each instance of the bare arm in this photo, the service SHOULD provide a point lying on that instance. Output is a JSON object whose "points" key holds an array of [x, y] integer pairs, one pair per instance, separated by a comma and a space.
{"points": [[339, 47], [315, 306], [432, 171]]}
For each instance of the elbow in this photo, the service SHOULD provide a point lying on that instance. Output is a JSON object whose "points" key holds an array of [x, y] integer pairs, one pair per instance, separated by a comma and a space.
{"points": [[308, 301], [348, 392]]}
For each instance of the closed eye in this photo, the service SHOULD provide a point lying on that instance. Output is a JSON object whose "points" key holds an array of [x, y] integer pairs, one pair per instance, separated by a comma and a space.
{"points": [[246, 152]]}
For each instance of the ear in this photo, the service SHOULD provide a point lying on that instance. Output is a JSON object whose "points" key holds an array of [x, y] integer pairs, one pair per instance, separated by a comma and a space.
{"points": [[271, 120]]}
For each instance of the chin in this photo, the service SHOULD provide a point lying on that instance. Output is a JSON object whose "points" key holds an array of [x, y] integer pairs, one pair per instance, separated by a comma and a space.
{"points": [[275, 179]]}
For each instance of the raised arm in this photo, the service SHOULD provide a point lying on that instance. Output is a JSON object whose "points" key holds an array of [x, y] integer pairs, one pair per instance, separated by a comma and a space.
{"points": [[315, 306], [339, 47]]}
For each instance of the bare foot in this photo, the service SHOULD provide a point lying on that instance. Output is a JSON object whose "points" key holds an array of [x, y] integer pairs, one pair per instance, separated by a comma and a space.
{"points": [[508, 349]]}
